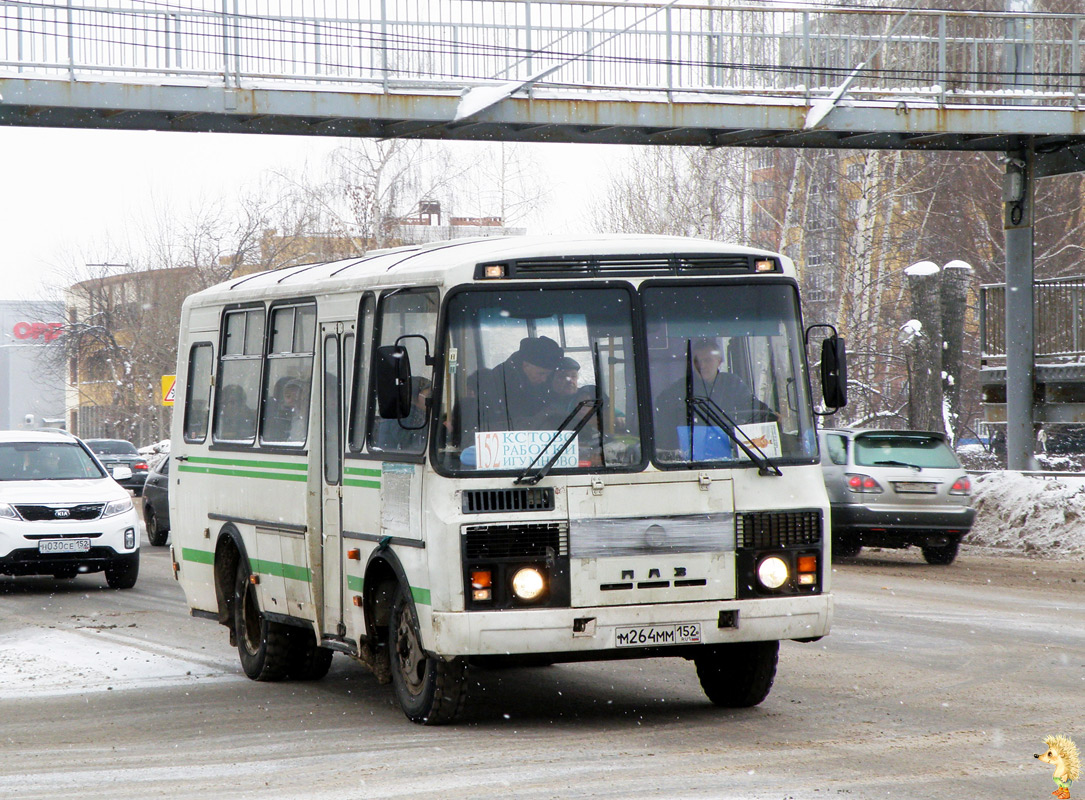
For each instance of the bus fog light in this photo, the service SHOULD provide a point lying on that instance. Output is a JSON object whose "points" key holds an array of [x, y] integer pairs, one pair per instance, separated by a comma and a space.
{"points": [[806, 579], [479, 595], [772, 572], [528, 583]]}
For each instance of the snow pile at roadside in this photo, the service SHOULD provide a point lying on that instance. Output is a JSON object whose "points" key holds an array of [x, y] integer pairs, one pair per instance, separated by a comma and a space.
{"points": [[1035, 515]]}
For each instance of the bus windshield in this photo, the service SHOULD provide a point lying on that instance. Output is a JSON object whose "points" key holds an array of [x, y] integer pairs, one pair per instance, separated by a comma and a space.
{"points": [[523, 367], [735, 349]]}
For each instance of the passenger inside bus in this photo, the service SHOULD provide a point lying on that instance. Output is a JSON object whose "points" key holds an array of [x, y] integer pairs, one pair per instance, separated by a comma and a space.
{"points": [[408, 434], [236, 419], [286, 418], [726, 389]]}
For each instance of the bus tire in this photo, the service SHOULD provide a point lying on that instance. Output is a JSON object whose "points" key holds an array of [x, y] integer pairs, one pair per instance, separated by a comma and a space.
{"points": [[429, 690], [308, 662], [262, 645], [738, 675]]}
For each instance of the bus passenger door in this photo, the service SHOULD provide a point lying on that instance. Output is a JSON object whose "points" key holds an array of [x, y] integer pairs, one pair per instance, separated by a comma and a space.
{"points": [[331, 335]]}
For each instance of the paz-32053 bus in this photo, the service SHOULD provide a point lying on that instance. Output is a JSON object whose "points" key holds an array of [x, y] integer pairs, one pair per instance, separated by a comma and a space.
{"points": [[546, 449]]}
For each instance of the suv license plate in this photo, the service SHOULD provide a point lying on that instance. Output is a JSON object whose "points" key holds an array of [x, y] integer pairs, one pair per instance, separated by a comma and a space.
{"points": [[653, 635], [915, 487], [64, 546]]}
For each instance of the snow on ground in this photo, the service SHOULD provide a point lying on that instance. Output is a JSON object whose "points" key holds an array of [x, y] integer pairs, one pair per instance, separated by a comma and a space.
{"points": [[45, 662], [1031, 514]]}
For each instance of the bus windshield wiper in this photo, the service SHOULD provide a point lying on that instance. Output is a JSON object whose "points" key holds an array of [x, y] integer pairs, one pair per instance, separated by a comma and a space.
{"points": [[707, 409], [531, 479]]}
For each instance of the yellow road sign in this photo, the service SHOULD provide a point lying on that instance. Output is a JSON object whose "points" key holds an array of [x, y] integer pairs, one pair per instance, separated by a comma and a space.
{"points": [[168, 382]]}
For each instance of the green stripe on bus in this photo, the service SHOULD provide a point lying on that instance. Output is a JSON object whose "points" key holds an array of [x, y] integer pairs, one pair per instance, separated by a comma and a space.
{"points": [[198, 556], [243, 473], [355, 583], [368, 472], [420, 595], [246, 462], [363, 484], [281, 570]]}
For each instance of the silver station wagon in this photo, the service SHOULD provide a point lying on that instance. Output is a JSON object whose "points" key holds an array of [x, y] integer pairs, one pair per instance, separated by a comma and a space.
{"points": [[895, 489]]}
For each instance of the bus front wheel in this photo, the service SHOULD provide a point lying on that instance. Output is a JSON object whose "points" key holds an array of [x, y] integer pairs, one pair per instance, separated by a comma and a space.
{"points": [[262, 645], [738, 675], [429, 690]]}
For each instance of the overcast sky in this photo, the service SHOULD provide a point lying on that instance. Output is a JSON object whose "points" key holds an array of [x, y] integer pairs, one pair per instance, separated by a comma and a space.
{"points": [[66, 192]]}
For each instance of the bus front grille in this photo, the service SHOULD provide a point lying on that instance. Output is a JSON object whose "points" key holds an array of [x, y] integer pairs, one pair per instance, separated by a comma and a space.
{"points": [[491, 501], [756, 530], [516, 541]]}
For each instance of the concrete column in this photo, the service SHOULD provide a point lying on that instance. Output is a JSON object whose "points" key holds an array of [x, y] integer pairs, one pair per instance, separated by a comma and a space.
{"points": [[1017, 197]]}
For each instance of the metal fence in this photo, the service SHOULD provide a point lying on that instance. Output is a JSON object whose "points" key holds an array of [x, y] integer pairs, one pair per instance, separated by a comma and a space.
{"points": [[1059, 313], [763, 48]]}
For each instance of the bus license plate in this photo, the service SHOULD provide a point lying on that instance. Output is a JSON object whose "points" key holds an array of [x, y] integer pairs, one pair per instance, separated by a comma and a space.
{"points": [[64, 546], [654, 635]]}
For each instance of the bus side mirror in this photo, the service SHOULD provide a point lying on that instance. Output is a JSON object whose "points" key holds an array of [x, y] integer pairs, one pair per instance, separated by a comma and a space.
{"points": [[393, 377], [834, 372]]}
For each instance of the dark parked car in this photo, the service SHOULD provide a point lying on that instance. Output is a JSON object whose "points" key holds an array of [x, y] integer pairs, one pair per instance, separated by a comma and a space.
{"points": [[156, 502], [116, 453]]}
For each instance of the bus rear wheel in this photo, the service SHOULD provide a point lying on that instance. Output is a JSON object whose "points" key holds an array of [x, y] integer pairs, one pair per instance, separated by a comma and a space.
{"points": [[262, 645], [309, 662], [429, 690], [738, 675]]}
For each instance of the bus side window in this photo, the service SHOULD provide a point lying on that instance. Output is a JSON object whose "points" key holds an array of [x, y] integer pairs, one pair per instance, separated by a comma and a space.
{"points": [[410, 314], [198, 391], [359, 377], [288, 376], [238, 385]]}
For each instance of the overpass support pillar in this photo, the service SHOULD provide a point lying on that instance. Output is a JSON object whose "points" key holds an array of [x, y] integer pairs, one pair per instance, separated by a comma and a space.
{"points": [[1017, 197]]}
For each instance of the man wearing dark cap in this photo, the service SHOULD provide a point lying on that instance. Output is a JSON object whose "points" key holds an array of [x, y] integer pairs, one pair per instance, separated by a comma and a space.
{"points": [[515, 395]]}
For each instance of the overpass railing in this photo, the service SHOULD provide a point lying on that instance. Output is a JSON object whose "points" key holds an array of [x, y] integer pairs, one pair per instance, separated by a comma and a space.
{"points": [[1059, 309], [755, 48]]}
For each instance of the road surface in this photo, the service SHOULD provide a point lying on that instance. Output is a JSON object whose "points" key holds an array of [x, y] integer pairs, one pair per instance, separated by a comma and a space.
{"points": [[936, 682]]}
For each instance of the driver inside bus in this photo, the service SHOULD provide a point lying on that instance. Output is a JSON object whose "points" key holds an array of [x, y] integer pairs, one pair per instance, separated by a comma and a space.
{"points": [[725, 389], [516, 395]]}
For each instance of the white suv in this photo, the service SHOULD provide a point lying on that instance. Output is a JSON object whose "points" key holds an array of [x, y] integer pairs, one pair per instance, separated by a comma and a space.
{"points": [[61, 513]]}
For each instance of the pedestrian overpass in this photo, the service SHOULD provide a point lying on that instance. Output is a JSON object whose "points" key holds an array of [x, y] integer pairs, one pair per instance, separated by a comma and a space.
{"points": [[706, 73]]}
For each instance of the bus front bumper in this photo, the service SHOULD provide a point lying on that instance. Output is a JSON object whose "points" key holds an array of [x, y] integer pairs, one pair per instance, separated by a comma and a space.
{"points": [[616, 628]]}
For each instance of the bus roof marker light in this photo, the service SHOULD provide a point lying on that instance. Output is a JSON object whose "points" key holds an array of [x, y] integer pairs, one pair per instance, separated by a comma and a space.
{"points": [[764, 265], [493, 271]]}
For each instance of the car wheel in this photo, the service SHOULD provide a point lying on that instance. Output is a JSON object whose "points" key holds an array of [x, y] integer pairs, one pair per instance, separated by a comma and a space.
{"points": [[123, 571], [941, 555], [155, 535], [738, 675], [847, 545], [308, 661], [262, 645], [429, 690]]}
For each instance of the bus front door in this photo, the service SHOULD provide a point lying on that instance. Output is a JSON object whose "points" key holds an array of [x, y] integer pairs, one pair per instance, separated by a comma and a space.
{"points": [[332, 359]]}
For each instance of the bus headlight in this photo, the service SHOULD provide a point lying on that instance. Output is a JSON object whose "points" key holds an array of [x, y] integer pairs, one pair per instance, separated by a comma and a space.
{"points": [[772, 572], [528, 584]]}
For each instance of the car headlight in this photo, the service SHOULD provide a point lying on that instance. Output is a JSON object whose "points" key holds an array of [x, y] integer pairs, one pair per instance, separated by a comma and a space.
{"points": [[528, 583], [114, 507], [7, 512], [772, 572]]}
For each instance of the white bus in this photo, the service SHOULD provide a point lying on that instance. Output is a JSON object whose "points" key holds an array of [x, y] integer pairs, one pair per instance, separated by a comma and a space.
{"points": [[515, 449]]}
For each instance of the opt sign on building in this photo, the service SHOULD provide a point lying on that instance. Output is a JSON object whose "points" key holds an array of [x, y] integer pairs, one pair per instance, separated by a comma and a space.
{"points": [[31, 386]]}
